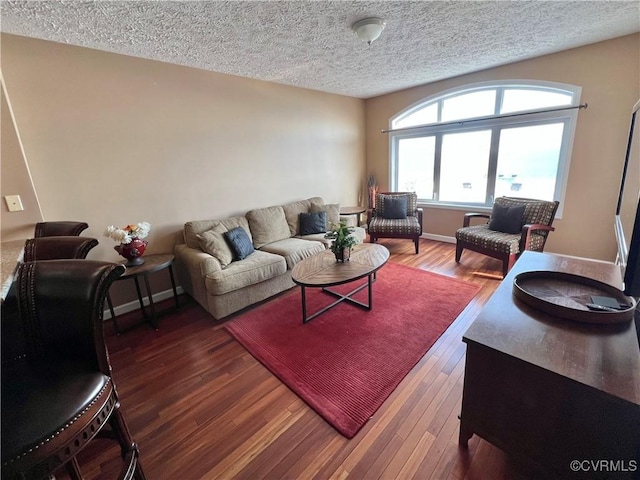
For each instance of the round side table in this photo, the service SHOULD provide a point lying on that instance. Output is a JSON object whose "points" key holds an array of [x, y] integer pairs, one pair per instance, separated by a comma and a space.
{"points": [[357, 211], [152, 263]]}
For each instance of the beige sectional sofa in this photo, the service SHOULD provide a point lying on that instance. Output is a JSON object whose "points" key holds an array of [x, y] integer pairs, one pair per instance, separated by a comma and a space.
{"points": [[223, 286]]}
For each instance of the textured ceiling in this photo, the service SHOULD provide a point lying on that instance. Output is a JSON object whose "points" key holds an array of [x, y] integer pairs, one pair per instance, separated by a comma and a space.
{"points": [[310, 43]]}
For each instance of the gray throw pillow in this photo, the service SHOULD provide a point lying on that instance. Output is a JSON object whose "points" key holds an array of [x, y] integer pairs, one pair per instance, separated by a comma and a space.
{"points": [[239, 242], [395, 207], [314, 222], [507, 219]]}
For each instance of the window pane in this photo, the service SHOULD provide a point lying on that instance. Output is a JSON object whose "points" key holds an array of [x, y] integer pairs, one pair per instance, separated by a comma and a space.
{"points": [[423, 116], [515, 100], [415, 166], [470, 105], [464, 167], [528, 161]]}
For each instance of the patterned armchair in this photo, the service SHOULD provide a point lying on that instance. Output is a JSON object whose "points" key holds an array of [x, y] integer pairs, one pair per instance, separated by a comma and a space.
{"points": [[396, 215], [515, 225]]}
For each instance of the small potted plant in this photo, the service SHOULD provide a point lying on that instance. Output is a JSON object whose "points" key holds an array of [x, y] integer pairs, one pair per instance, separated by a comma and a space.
{"points": [[343, 240]]}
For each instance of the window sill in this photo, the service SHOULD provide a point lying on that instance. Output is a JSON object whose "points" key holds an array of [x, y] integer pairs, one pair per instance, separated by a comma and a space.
{"points": [[453, 206]]}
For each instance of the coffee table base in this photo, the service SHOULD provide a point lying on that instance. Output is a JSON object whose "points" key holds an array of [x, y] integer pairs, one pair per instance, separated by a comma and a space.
{"points": [[341, 298]]}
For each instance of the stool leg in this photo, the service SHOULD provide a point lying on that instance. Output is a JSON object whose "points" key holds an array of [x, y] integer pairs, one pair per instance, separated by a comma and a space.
{"points": [[73, 469]]}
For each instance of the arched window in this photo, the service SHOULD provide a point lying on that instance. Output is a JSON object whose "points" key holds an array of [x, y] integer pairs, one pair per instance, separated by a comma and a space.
{"points": [[472, 144]]}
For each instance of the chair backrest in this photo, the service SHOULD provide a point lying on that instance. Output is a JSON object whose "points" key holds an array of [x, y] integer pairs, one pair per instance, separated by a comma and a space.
{"points": [[53, 248], [412, 202], [536, 211], [60, 303], [58, 229]]}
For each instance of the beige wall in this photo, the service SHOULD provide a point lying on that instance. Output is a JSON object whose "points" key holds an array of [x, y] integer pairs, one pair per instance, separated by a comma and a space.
{"points": [[15, 179], [112, 139], [609, 74]]}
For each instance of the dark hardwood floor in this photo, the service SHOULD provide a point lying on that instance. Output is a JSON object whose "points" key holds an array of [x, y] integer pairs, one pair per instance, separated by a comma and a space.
{"points": [[201, 407]]}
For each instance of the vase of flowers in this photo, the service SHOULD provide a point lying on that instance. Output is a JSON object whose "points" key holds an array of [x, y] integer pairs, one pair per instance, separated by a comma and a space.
{"points": [[132, 245], [343, 240]]}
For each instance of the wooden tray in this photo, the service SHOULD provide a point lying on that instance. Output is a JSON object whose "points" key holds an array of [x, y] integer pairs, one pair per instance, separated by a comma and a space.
{"points": [[566, 295]]}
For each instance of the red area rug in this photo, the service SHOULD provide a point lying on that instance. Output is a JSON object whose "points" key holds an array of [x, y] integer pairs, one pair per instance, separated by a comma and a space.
{"points": [[347, 361]]}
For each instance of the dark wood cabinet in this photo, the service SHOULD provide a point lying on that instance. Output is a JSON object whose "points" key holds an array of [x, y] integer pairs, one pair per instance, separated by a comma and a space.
{"points": [[550, 390]]}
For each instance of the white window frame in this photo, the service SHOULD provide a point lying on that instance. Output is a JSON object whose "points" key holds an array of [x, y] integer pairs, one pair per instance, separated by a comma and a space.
{"points": [[568, 117]]}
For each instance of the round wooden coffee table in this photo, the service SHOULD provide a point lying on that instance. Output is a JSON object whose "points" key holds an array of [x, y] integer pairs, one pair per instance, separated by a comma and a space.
{"points": [[323, 271]]}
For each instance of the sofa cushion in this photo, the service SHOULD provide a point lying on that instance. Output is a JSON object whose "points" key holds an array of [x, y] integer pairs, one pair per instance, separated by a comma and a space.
{"points": [[332, 209], [507, 219], [317, 237], [267, 225], [213, 242], [195, 228], [256, 268], [239, 242], [395, 207], [292, 213], [358, 232], [313, 222], [293, 249]]}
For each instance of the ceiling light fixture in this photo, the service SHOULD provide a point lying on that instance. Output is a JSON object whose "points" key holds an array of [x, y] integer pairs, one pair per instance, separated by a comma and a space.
{"points": [[368, 29]]}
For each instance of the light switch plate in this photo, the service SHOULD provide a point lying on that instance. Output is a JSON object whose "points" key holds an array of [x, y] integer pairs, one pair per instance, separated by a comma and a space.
{"points": [[14, 204]]}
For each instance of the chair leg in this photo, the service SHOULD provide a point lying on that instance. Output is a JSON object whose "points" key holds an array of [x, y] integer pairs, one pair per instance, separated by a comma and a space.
{"points": [[507, 263], [459, 249], [417, 242]]}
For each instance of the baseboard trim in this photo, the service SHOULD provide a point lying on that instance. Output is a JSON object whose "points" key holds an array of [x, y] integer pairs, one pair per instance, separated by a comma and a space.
{"points": [[438, 238], [135, 305]]}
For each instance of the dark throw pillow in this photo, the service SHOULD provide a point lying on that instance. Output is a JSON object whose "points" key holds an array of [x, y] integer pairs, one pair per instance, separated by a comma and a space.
{"points": [[314, 222], [507, 219], [395, 207], [239, 242]]}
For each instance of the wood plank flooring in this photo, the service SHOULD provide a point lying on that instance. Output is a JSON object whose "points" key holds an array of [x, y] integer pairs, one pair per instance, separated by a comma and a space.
{"points": [[201, 407]]}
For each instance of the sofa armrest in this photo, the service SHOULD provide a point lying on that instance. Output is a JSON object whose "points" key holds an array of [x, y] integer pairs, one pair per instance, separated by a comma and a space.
{"points": [[192, 267], [468, 216]]}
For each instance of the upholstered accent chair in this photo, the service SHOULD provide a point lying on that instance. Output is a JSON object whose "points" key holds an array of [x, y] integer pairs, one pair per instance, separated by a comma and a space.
{"points": [[54, 248], [396, 215], [59, 393], [515, 225], [57, 229]]}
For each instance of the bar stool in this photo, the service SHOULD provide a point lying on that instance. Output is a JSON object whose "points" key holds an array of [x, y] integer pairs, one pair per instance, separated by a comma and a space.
{"points": [[57, 229], [52, 248], [60, 394]]}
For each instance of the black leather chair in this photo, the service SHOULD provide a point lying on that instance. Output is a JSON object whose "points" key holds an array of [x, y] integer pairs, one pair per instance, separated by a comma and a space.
{"points": [[57, 229], [53, 248], [59, 394]]}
